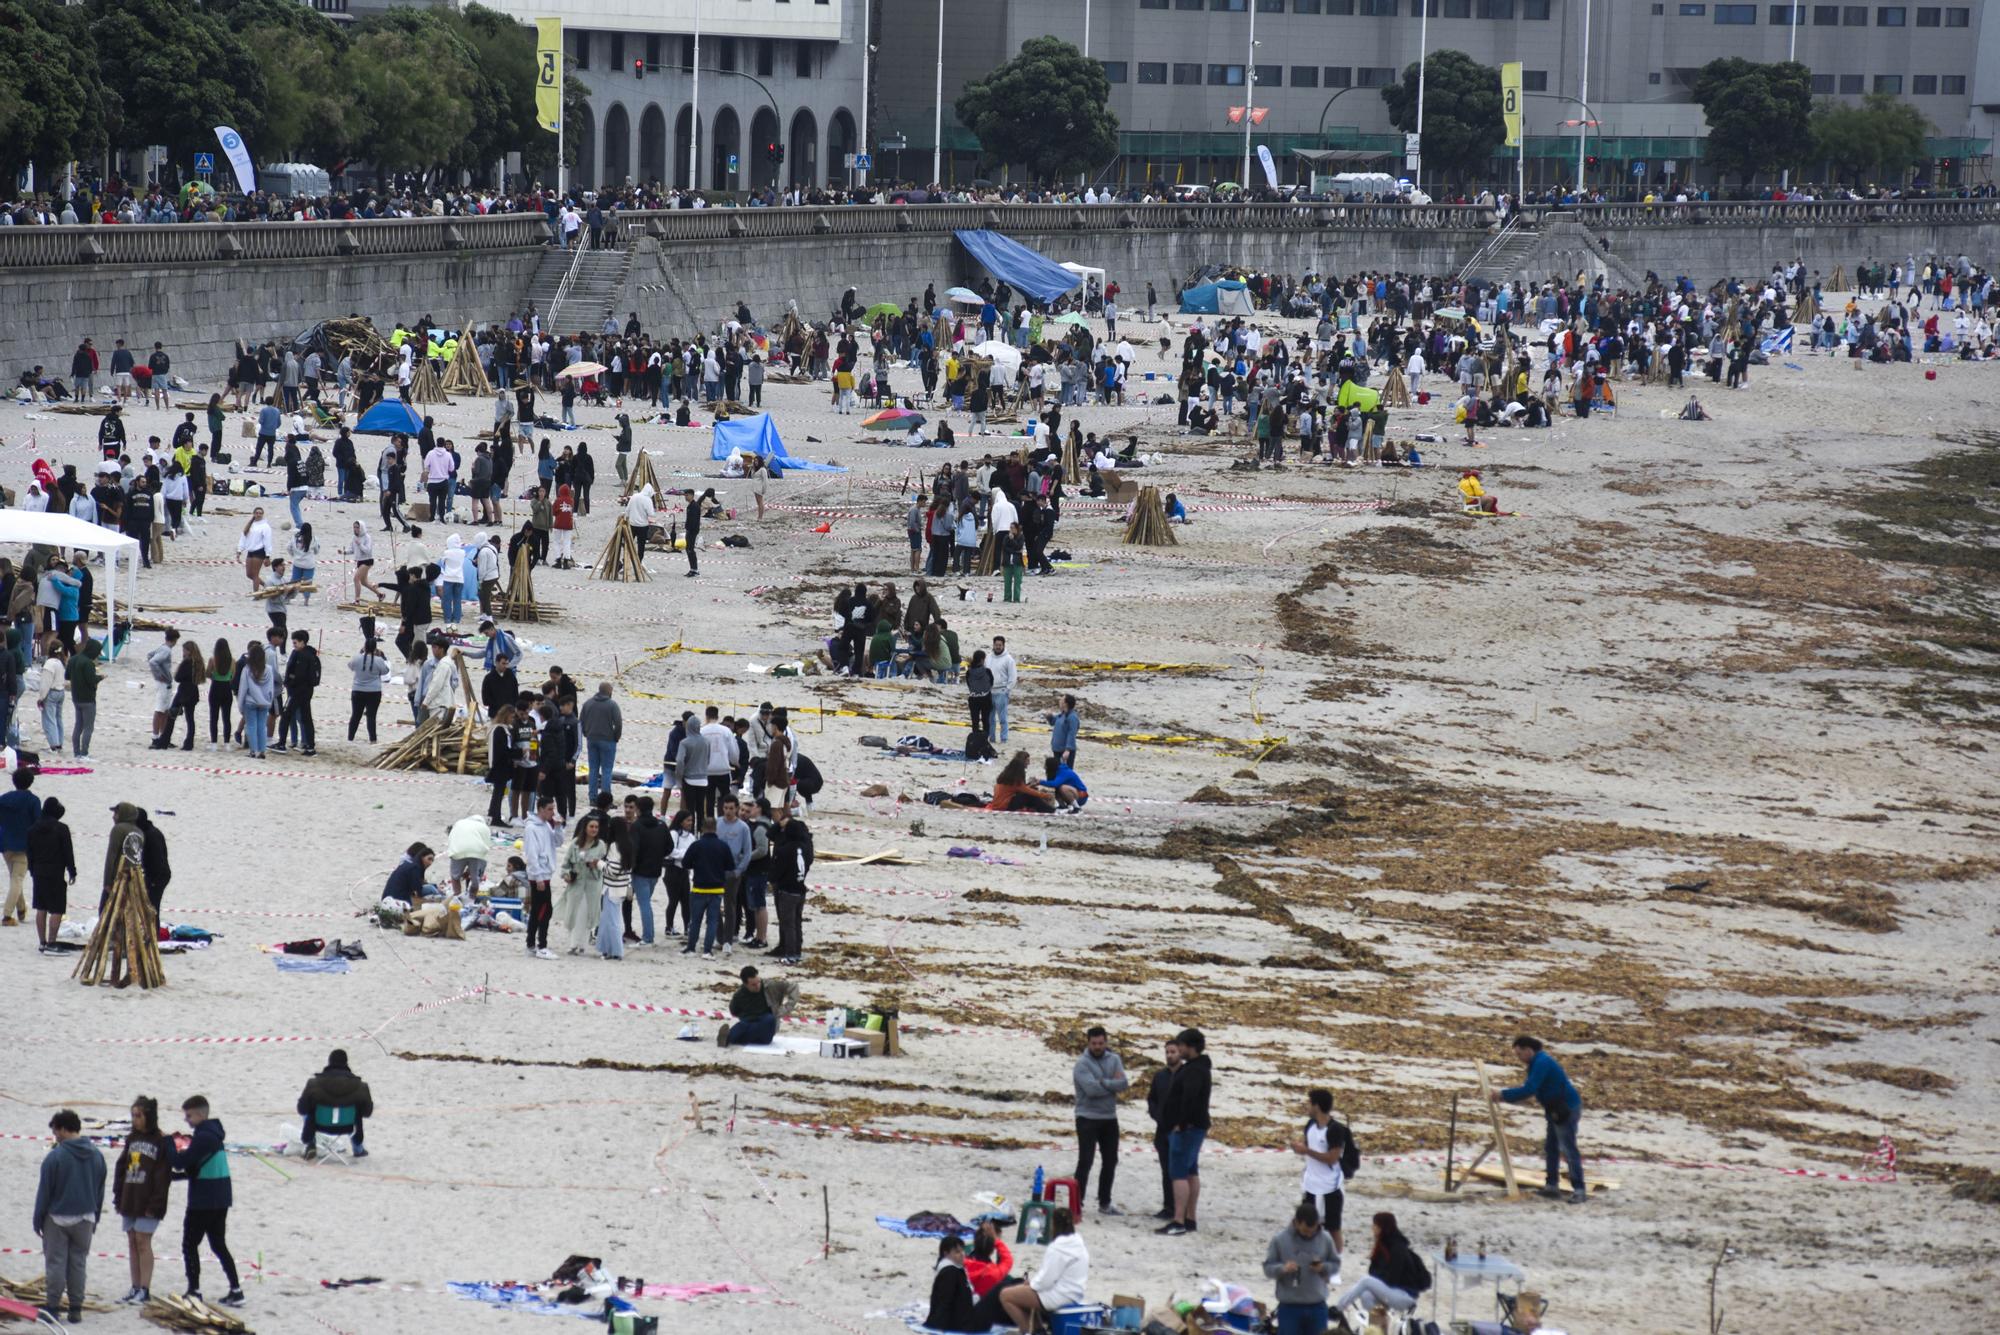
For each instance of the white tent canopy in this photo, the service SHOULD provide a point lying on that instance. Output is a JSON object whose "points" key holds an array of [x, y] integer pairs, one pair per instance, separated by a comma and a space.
{"points": [[1086, 273], [67, 534]]}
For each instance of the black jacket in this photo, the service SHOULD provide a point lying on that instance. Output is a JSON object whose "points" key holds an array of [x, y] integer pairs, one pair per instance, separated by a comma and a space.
{"points": [[153, 862], [302, 672], [791, 856], [51, 854], [1156, 1095], [1187, 1097], [651, 842], [337, 1087], [1400, 1267], [951, 1301]]}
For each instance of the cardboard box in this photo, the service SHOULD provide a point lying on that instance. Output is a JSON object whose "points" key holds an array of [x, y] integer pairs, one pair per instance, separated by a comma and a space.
{"points": [[420, 510], [872, 1041], [851, 1046]]}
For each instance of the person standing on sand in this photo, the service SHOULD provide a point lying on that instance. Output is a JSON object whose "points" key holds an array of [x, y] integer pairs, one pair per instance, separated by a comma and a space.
{"points": [[1156, 1108], [19, 810], [1099, 1076], [1562, 1107], [69, 1202], [581, 870], [140, 1186], [540, 840], [204, 1164], [1187, 1121]]}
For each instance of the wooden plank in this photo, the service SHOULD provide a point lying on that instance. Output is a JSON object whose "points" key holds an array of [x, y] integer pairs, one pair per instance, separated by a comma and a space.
{"points": [[1499, 1131]]}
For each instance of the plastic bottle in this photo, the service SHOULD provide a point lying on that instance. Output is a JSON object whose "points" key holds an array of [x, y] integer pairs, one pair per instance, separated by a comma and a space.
{"points": [[1038, 1183], [836, 1022]]}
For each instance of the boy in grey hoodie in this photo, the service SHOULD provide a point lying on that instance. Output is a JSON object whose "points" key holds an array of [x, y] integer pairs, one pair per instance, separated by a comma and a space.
{"points": [[1304, 1263], [69, 1200], [1099, 1076]]}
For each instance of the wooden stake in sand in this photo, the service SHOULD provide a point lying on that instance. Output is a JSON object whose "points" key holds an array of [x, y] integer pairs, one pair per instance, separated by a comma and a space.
{"points": [[1149, 526], [424, 386], [642, 475], [621, 559], [125, 948], [465, 375], [1395, 390], [1499, 1134], [518, 603]]}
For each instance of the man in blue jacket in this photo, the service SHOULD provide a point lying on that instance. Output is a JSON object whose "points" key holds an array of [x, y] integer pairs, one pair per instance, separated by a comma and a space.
{"points": [[204, 1165], [69, 1200], [1562, 1106]]}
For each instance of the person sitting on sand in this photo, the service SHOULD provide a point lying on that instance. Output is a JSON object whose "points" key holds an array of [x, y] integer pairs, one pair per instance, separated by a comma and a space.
{"points": [[756, 1023], [952, 1302], [1012, 790], [406, 882], [1474, 492], [1062, 780], [1060, 1283], [1176, 512], [989, 1268]]}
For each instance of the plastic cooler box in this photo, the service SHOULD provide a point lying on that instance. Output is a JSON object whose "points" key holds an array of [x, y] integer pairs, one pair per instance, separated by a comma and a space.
{"points": [[1074, 1320]]}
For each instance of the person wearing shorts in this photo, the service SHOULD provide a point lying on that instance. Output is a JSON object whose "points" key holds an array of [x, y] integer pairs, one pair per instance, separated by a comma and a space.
{"points": [[1187, 1120], [140, 1183]]}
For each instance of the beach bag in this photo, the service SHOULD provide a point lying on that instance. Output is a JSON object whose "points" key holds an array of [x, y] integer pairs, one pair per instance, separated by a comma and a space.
{"points": [[1350, 1153]]}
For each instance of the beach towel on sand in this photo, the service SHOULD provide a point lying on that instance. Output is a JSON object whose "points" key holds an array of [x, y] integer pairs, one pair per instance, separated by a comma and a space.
{"points": [[920, 1226], [913, 1314]]}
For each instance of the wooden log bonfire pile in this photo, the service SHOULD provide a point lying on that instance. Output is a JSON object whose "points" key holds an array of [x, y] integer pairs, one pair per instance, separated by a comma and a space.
{"points": [[443, 743], [1149, 526], [125, 948]]}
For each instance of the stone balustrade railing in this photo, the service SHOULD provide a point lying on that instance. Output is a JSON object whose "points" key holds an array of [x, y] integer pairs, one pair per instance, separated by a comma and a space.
{"points": [[198, 243]]}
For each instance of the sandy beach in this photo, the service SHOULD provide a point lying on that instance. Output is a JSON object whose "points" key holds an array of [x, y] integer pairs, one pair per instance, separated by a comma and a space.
{"points": [[1685, 767]]}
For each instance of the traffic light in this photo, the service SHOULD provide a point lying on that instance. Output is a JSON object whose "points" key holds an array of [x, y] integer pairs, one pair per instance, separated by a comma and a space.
{"points": [[638, 67], [1591, 162], [774, 153]]}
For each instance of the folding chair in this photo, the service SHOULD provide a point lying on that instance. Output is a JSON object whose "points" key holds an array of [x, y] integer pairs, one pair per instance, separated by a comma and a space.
{"points": [[333, 1134]]}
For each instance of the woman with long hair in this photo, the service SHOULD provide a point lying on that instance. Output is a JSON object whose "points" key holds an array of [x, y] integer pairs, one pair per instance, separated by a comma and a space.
{"points": [[139, 1186], [1013, 790], [1396, 1275], [1061, 1281], [305, 558], [361, 551], [682, 831], [221, 689], [256, 691], [188, 679], [979, 696], [617, 887], [580, 870], [499, 763]]}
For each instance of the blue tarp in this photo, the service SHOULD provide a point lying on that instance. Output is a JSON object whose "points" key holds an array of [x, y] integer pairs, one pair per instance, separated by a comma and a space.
{"points": [[1207, 299], [759, 435], [1017, 266], [390, 417]]}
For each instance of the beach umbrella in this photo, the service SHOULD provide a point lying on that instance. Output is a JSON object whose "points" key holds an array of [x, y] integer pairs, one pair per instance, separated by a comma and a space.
{"points": [[1073, 318], [1002, 354], [580, 369], [888, 308], [391, 417], [964, 295], [902, 419], [1449, 313]]}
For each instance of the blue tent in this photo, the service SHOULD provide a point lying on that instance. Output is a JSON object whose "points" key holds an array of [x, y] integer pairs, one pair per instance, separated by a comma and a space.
{"points": [[759, 435], [1017, 266], [1225, 297], [390, 417]]}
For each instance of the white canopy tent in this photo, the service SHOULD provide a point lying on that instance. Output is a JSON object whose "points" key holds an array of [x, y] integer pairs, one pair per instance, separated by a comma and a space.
{"points": [[68, 534], [1086, 273]]}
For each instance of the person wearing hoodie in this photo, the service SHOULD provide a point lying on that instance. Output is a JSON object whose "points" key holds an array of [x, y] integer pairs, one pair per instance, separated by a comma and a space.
{"points": [[1099, 1076], [1187, 1125], [84, 674], [1061, 1281], [1396, 1275], [1303, 1261], [952, 1302], [139, 1188], [69, 1200], [124, 825], [336, 1087], [52, 871], [204, 1165]]}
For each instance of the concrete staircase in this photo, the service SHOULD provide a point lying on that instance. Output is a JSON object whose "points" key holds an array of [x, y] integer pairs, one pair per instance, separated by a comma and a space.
{"points": [[592, 295], [1506, 258]]}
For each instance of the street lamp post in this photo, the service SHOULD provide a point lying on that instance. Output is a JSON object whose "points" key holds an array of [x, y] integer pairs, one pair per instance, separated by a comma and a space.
{"points": [[1583, 96], [937, 122], [694, 109], [1249, 94], [860, 175], [1423, 52]]}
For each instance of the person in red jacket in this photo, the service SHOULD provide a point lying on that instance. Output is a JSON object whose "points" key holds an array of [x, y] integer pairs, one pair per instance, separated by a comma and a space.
{"points": [[564, 528], [989, 1262]]}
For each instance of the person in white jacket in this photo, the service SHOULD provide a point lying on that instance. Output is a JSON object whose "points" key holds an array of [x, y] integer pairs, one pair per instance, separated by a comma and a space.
{"points": [[1060, 1282]]}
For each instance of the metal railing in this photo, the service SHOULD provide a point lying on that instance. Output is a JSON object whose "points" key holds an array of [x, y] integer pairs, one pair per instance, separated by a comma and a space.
{"points": [[1765, 213], [1493, 243], [196, 243], [569, 276]]}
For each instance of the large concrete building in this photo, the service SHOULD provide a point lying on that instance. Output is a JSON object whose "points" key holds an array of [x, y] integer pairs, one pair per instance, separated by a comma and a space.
{"points": [[772, 72], [1178, 66]]}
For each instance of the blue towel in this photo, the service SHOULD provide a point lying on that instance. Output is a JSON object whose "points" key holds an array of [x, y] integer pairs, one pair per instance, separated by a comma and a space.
{"points": [[897, 1226], [522, 1299], [297, 964]]}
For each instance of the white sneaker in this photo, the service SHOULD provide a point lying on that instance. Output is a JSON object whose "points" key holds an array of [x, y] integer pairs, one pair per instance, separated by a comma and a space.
{"points": [[727, 950], [545, 954]]}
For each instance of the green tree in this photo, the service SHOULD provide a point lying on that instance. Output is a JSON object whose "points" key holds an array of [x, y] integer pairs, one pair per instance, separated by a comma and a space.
{"points": [[180, 71], [52, 107], [1759, 116], [1882, 138], [407, 88], [1463, 125], [1046, 109], [309, 113]]}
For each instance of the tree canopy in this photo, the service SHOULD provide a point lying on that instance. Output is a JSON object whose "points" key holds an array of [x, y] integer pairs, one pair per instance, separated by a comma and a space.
{"points": [[1463, 124], [1881, 138], [406, 89], [1759, 116], [1046, 109]]}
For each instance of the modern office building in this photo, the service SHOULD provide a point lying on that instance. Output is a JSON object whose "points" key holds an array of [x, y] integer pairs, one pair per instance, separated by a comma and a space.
{"points": [[783, 73], [1178, 66]]}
